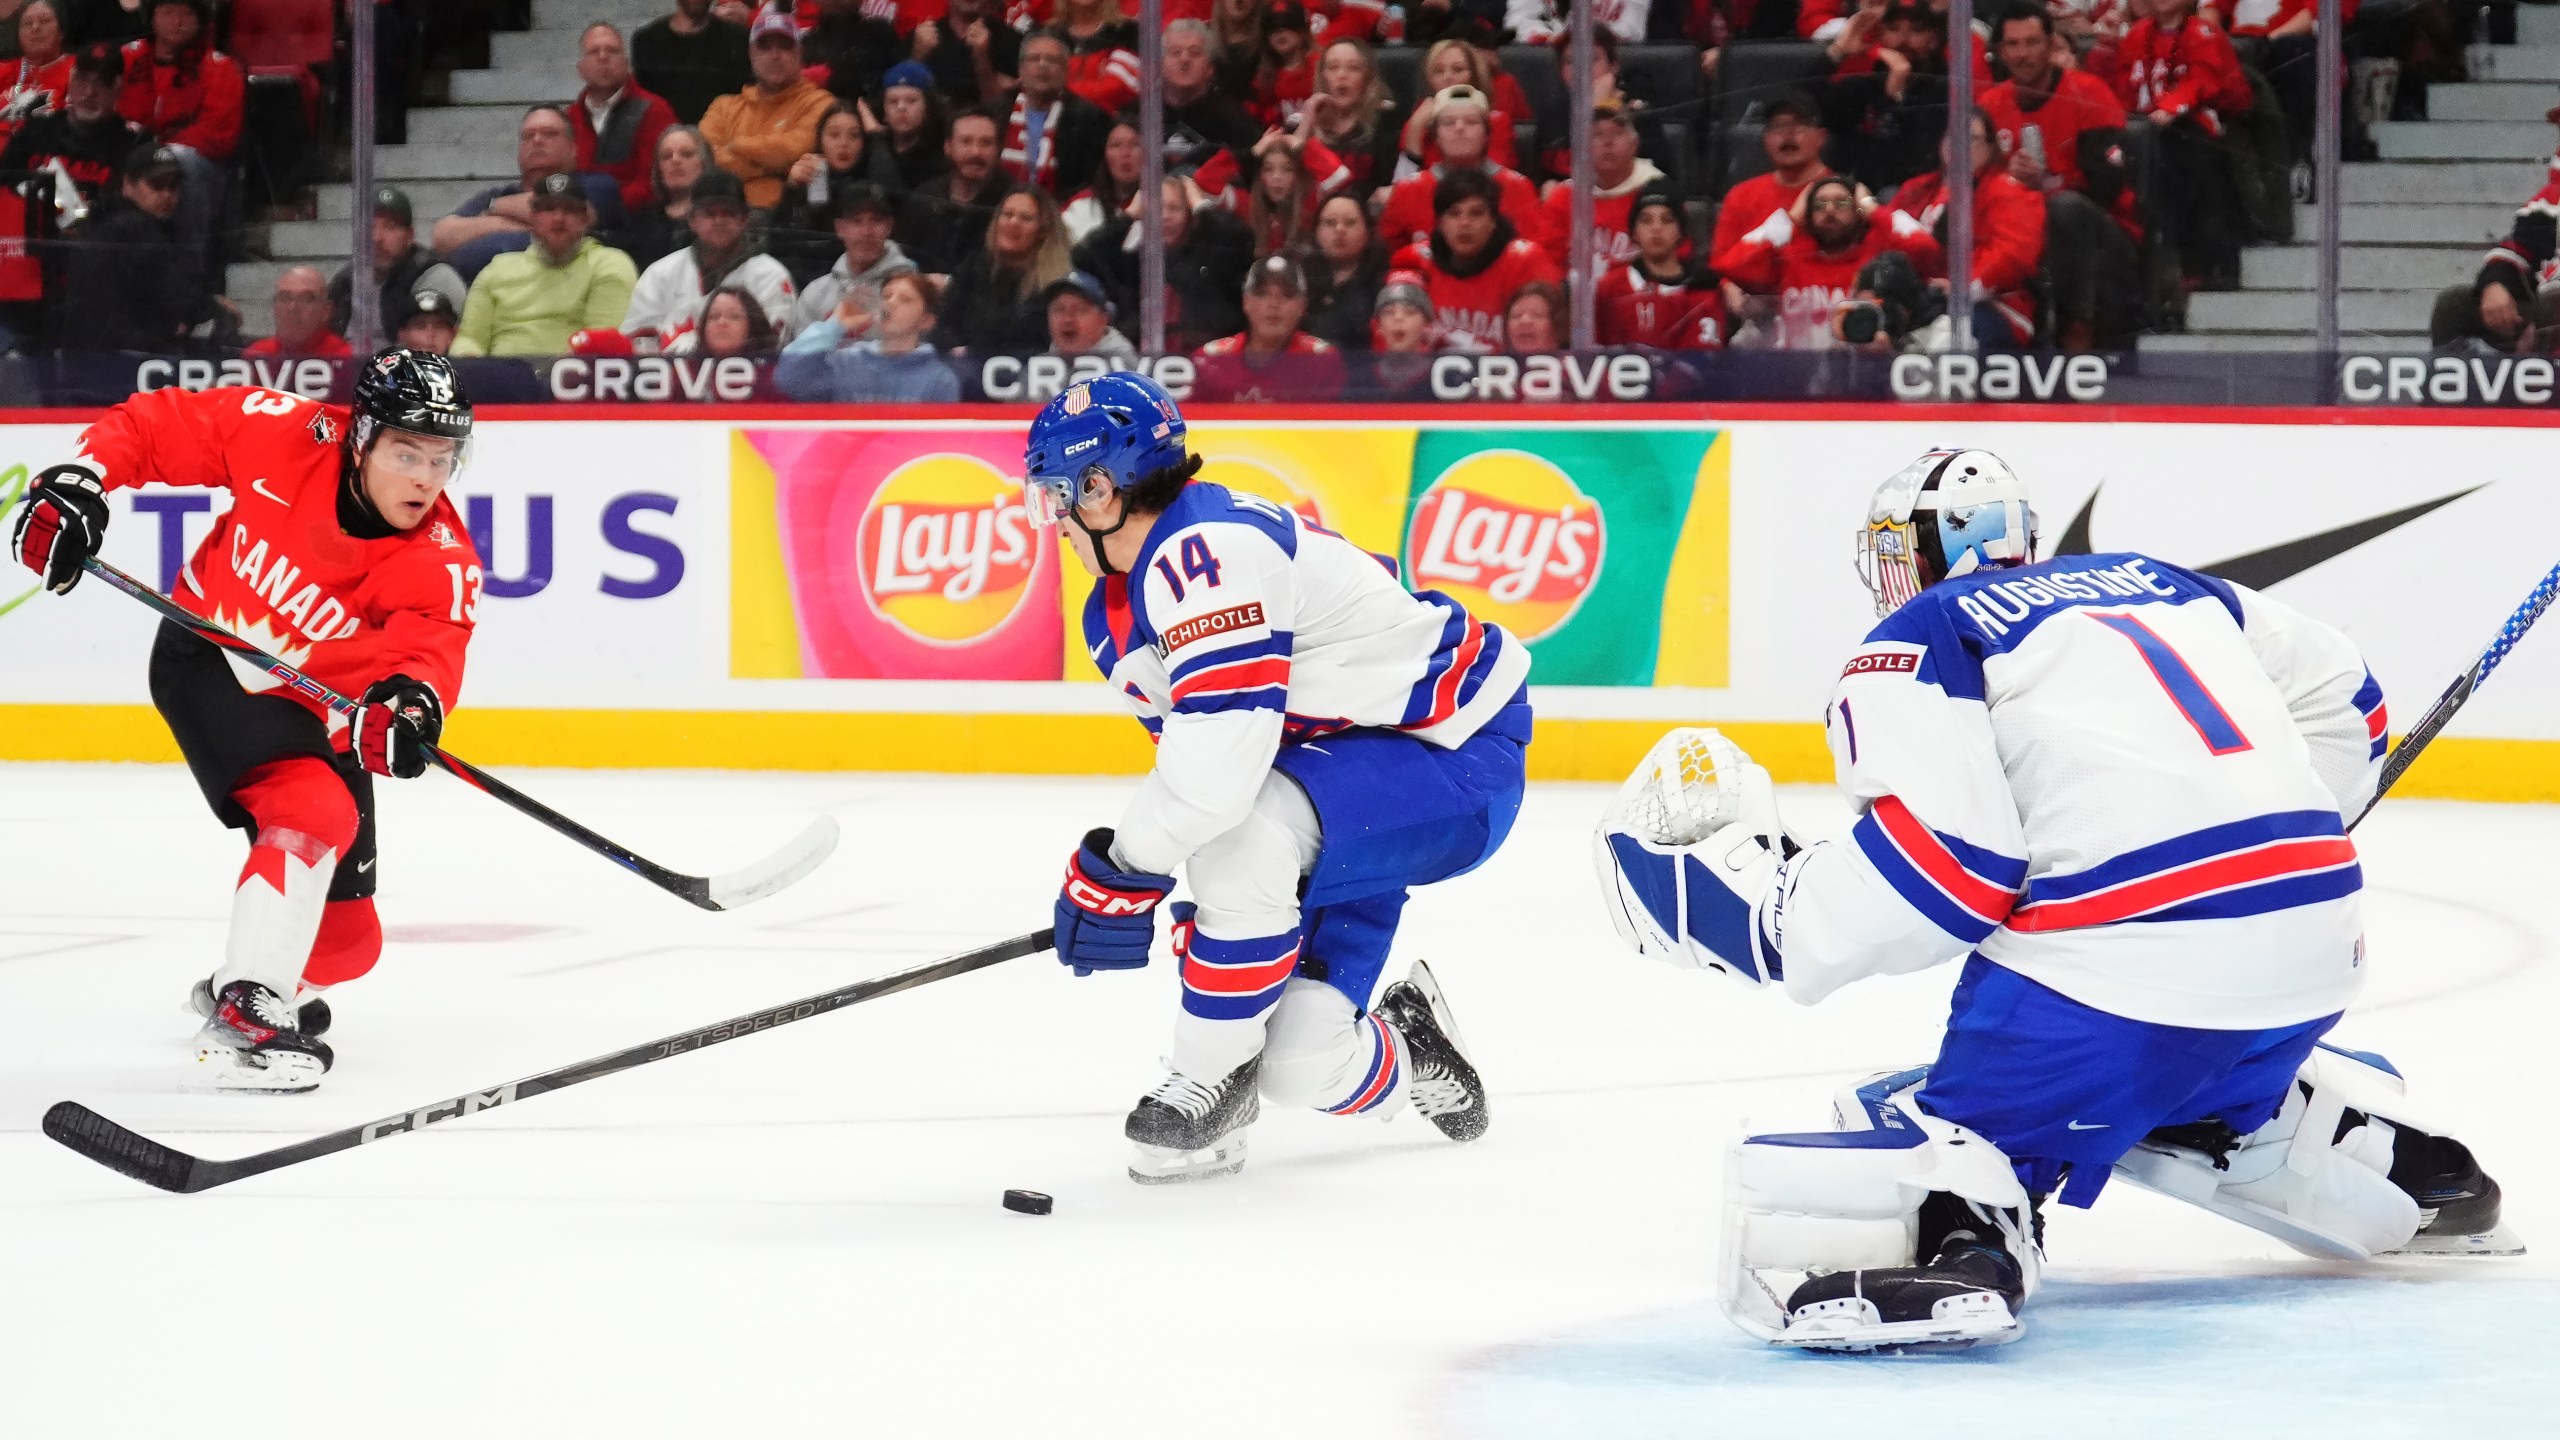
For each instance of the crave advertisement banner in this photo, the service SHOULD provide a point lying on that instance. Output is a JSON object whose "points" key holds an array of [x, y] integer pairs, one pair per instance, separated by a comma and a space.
{"points": [[908, 554]]}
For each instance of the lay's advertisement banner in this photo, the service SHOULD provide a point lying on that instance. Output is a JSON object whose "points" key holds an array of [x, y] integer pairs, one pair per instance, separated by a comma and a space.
{"points": [[909, 554]]}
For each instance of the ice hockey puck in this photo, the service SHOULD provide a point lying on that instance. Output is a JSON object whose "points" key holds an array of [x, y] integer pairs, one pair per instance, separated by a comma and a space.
{"points": [[1027, 1202]]}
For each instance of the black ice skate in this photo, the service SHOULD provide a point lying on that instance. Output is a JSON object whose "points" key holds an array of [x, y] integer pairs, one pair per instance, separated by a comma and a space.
{"points": [[1185, 1130], [1444, 1087], [1968, 1294], [2459, 1203], [250, 1043], [312, 1016]]}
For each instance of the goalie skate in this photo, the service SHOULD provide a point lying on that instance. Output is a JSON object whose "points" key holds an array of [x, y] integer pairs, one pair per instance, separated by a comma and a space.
{"points": [[249, 1045], [1184, 1130], [1966, 1297]]}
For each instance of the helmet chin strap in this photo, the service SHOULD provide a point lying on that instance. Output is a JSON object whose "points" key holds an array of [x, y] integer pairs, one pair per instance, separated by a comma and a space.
{"points": [[1101, 555]]}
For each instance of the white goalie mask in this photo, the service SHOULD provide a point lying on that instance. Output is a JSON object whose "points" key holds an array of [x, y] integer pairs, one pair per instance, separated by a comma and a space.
{"points": [[1948, 513]]}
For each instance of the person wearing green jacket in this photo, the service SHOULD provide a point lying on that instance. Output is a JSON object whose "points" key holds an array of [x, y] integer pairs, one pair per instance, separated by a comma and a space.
{"points": [[530, 301]]}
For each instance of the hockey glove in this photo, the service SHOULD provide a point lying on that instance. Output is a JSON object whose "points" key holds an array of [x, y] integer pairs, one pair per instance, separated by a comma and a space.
{"points": [[61, 525], [1106, 915], [399, 719]]}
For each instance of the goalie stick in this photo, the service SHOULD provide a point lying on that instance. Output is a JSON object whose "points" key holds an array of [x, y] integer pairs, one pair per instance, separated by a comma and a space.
{"points": [[147, 1160], [776, 872], [2439, 714]]}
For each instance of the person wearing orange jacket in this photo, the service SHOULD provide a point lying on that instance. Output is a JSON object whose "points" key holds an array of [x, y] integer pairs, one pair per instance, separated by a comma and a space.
{"points": [[191, 98], [2008, 241], [2178, 68]]}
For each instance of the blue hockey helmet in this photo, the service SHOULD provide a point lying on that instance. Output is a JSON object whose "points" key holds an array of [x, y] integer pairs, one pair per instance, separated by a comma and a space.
{"points": [[1949, 513], [1101, 436]]}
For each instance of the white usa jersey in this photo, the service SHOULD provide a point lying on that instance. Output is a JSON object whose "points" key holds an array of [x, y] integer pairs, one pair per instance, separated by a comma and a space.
{"points": [[1242, 627], [2120, 779]]}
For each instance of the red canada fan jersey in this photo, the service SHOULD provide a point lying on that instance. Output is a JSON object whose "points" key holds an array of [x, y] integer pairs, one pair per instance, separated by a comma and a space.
{"points": [[1676, 314], [1308, 370], [1470, 307], [277, 571]]}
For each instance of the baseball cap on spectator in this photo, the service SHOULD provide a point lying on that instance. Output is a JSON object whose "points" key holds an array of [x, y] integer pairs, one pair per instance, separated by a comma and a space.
{"points": [[558, 191], [100, 62], [391, 200], [773, 24], [1657, 199], [1078, 282], [600, 342], [1795, 103], [913, 74], [863, 198], [1276, 271], [1286, 15], [1462, 95], [719, 187], [427, 302], [152, 162], [1404, 287]]}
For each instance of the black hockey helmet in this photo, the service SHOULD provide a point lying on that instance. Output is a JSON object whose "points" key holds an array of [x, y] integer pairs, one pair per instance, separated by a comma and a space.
{"points": [[410, 390]]}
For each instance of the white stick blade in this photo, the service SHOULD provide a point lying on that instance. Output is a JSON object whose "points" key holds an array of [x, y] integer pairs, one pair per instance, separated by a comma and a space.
{"points": [[779, 871]]}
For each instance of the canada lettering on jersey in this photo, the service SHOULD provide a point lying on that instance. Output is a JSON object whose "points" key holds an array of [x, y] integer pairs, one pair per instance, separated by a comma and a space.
{"points": [[271, 578]]}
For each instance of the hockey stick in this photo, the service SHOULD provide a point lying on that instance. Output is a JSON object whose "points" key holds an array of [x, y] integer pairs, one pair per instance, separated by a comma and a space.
{"points": [[778, 871], [2433, 722], [152, 1163]]}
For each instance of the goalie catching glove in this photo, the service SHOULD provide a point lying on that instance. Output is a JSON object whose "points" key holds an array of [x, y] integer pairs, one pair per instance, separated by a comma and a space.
{"points": [[399, 719], [1690, 857], [61, 525], [1106, 916]]}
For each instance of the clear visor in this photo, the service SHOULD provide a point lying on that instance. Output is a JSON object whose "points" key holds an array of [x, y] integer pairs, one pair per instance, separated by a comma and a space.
{"points": [[414, 453], [1888, 565], [1050, 497]]}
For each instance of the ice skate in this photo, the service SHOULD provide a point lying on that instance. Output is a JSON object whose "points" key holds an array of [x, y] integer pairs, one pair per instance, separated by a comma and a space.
{"points": [[1444, 1087], [311, 1016], [2461, 1204], [249, 1043], [1968, 1295], [1185, 1130]]}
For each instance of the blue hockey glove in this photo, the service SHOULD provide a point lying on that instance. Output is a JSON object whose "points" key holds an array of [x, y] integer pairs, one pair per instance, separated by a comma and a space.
{"points": [[1106, 915]]}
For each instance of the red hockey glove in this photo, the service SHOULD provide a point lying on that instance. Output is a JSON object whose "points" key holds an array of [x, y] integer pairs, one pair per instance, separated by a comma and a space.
{"points": [[400, 718], [61, 525]]}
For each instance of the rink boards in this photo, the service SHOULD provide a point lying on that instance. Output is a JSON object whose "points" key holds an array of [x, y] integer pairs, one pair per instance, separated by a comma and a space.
{"points": [[745, 587]]}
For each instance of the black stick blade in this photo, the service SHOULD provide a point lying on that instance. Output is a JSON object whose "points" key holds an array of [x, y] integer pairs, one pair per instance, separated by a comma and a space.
{"points": [[110, 1144]]}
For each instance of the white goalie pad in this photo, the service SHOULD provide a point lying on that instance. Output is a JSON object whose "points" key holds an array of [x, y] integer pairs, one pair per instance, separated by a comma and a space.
{"points": [[2334, 1200], [1849, 1198], [1685, 853]]}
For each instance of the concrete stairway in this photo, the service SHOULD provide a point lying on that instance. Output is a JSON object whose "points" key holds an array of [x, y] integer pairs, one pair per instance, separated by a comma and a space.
{"points": [[454, 150], [2412, 223]]}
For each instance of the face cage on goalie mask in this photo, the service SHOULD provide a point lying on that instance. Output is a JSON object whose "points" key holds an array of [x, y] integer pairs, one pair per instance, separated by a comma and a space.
{"points": [[1887, 563]]}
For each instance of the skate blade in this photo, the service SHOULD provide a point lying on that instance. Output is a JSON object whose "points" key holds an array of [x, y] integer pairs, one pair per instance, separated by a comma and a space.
{"points": [[221, 1070], [1973, 1323], [1159, 1165], [2498, 1244]]}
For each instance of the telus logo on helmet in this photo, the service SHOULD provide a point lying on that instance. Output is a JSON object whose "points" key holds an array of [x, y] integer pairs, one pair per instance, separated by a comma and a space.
{"points": [[1507, 535], [945, 550]]}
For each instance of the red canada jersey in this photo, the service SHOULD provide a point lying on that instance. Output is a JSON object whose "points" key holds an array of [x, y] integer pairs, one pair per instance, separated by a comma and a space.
{"points": [[1609, 218], [2008, 239], [2189, 70], [1750, 201], [1470, 307], [1408, 218], [199, 98], [1780, 256], [1685, 312], [277, 571], [1307, 369], [2079, 102]]}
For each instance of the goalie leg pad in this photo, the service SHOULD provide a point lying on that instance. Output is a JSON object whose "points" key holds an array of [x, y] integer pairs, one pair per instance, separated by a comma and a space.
{"points": [[2335, 1174], [1851, 1199]]}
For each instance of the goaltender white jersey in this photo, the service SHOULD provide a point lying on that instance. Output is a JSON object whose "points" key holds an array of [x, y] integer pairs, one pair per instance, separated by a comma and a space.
{"points": [[2118, 778], [1242, 627]]}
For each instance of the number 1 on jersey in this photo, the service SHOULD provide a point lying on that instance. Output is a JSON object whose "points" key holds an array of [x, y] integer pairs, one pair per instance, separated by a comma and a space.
{"points": [[2186, 691]]}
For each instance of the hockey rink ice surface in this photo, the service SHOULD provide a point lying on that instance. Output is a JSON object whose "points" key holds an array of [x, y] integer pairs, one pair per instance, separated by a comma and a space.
{"points": [[799, 1233]]}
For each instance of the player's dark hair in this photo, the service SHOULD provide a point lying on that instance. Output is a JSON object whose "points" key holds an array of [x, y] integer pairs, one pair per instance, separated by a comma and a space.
{"points": [[1155, 491]]}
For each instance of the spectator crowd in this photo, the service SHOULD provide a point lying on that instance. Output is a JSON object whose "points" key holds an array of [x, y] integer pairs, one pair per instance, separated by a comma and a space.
{"points": [[864, 191]]}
